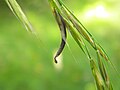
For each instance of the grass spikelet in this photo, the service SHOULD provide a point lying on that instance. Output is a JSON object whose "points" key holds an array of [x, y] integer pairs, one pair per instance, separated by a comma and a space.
{"points": [[103, 72], [17, 11], [97, 76]]}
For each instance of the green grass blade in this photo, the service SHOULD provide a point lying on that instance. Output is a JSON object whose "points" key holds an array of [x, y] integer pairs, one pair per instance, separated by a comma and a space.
{"points": [[17, 11]]}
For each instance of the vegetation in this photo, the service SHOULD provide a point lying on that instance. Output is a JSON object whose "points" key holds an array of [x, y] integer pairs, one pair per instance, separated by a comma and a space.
{"points": [[67, 21]]}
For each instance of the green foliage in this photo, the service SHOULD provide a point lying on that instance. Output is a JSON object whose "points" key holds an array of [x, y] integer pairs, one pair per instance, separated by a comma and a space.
{"points": [[79, 33], [70, 22]]}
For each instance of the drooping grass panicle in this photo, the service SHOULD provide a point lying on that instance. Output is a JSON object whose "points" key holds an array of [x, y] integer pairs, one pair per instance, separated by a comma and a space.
{"points": [[73, 33], [80, 33], [67, 15]]}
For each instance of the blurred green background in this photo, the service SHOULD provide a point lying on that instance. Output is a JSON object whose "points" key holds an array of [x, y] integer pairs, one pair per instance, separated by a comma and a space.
{"points": [[26, 63]]}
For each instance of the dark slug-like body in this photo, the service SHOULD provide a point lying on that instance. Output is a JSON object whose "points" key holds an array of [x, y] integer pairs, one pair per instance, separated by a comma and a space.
{"points": [[62, 27]]}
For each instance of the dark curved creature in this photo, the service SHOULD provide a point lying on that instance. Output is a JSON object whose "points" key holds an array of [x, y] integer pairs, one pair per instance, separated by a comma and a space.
{"points": [[62, 27]]}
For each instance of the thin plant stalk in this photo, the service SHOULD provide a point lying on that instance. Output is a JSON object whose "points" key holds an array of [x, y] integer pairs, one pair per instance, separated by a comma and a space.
{"points": [[18, 12]]}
